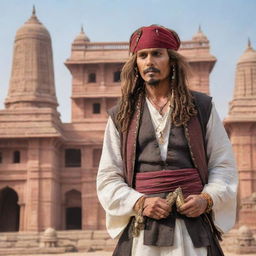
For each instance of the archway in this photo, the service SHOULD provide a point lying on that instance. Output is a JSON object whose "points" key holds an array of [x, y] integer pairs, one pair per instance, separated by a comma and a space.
{"points": [[9, 210], [73, 210]]}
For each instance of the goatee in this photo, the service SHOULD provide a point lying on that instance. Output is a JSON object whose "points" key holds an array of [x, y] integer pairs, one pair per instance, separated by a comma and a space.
{"points": [[153, 82]]}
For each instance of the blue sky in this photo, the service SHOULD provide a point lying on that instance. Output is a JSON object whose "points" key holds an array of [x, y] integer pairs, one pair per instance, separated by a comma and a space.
{"points": [[226, 23]]}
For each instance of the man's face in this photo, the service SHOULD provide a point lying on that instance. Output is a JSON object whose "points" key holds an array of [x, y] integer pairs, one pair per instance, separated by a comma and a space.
{"points": [[153, 65]]}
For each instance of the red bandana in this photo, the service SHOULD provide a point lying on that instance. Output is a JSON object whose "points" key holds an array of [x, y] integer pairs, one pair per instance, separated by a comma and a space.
{"points": [[154, 37]]}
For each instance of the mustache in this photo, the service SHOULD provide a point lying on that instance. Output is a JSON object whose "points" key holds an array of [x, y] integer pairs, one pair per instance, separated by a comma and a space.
{"points": [[151, 69]]}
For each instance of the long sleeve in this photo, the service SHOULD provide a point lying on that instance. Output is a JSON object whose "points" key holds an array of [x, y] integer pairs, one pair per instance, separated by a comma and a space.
{"points": [[222, 182], [116, 197]]}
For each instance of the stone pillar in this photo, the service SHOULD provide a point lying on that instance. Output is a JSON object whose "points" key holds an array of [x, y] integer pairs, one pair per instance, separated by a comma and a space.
{"points": [[42, 199], [22, 217], [49, 184], [89, 195], [33, 186]]}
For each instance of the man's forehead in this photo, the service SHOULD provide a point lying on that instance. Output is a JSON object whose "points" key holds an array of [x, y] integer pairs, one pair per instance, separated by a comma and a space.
{"points": [[152, 50]]}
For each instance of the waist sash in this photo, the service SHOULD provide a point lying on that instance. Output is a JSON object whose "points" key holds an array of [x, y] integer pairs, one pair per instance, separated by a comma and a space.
{"points": [[168, 180]]}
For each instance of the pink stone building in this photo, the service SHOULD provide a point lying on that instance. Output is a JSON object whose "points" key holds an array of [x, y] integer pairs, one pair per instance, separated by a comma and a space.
{"points": [[48, 168], [241, 126]]}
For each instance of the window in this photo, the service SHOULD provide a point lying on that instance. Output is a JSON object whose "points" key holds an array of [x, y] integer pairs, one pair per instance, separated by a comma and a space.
{"points": [[96, 157], [92, 78], [117, 76], [96, 108], [1, 157], [72, 157], [16, 157]]}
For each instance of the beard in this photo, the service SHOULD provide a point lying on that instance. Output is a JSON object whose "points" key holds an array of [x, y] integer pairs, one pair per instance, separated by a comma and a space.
{"points": [[153, 82]]}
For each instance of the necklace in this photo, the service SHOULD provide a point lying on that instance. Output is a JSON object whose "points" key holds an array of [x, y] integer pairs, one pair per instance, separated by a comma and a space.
{"points": [[159, 122], [158, 107]]}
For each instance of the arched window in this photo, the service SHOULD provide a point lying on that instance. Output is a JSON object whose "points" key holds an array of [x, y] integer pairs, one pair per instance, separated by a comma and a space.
{"points": [[9, 210], [92, 78], [73, 210], [16, 157]]}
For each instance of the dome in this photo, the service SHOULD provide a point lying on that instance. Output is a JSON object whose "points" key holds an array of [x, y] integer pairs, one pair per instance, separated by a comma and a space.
{"points": [[50, 233], [249, 54], [32, 28], [82, 37], [245, 231], [200, 36]]}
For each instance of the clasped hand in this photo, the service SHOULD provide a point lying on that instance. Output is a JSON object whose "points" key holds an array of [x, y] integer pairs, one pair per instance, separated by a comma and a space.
{"points": [[157, 208]]}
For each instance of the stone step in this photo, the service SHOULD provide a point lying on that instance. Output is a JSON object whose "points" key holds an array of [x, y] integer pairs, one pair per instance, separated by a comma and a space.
{"points": [[25, 251]]}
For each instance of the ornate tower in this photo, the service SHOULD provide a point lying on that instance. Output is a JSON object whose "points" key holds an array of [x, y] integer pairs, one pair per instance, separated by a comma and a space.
{"points": [[31, 133], [95, 69], [197, 52], [32, 77], [241, 126]]}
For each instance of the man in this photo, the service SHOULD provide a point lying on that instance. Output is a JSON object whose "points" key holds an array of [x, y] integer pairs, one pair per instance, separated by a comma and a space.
{"points": [[159, 138]]}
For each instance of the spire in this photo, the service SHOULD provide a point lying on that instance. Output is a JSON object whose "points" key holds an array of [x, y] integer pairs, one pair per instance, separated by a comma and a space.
{"points": [[82, 29], [199, 29], [34, 10], [249, 43], [81, 37], [200, 36], [33, 19]]}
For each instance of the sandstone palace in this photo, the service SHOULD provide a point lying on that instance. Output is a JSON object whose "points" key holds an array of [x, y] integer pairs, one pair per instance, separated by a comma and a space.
{"points": [[48, 168]]}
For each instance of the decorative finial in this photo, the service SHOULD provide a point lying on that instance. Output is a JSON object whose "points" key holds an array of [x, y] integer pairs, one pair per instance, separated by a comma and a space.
{"points": [[82, 29], [199, 29], [34, 10], [249, 43]]}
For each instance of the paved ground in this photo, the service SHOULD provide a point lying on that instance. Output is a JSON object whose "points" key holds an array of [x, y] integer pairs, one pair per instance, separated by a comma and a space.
{"points": [[97, 253], [101, 253]]}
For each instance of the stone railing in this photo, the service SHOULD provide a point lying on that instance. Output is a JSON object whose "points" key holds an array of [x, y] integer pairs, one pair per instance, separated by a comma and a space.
{"points": [[99, 46]]}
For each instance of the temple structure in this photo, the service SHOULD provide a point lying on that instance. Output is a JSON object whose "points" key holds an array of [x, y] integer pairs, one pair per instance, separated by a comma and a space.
{"points": [[241, 126], [48, 168]]}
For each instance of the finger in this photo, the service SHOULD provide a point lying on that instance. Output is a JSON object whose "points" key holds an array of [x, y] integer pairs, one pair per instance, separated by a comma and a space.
{"points": [[154, 212], [156, 215], [187, 206], [188, 198]]}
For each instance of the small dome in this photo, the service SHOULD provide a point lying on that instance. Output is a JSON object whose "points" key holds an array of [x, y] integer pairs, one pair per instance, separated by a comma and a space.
{"points": [[245, 231], [200, 36], [249, 54], [82, 37], [32, 28], [50, 232]]}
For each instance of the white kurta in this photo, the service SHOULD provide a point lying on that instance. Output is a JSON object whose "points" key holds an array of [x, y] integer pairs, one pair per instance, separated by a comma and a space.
{"points": [[118, 199]]}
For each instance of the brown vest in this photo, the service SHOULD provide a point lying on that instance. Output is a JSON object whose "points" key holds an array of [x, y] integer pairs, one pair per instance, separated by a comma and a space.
{"points": [[186, 149], [148, 156]]}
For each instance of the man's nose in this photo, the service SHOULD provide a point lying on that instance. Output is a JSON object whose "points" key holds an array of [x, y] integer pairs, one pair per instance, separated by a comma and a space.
{"points": [[149, 60]]}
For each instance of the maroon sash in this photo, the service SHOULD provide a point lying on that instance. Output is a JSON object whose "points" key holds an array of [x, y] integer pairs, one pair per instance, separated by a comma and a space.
{"points": [[168, 180]]}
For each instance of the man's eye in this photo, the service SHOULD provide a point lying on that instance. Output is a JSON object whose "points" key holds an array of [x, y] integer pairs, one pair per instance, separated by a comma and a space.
{"points": [[142, 55], [157, 53]]}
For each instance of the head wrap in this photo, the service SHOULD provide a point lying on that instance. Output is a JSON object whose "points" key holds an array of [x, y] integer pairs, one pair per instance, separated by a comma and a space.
{"points": [[154, 36]]}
